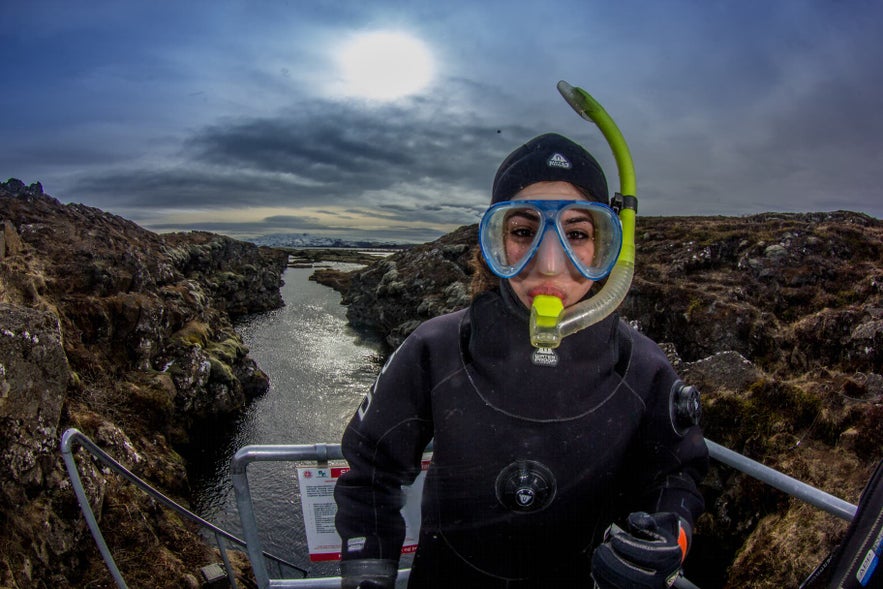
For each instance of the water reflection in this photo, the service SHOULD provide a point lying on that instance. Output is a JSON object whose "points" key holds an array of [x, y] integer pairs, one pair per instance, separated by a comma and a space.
{"points": [[319, 370]]}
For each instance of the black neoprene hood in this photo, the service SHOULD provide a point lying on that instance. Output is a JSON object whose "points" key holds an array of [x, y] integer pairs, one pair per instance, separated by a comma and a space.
{"points": [[549, 158]]}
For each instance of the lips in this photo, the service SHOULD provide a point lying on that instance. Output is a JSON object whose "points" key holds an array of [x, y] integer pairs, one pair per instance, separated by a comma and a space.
{"points": [[546, 289]]}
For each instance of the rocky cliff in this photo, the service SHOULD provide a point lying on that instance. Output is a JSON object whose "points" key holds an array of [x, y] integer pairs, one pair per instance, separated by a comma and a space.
{"points": [[126, 335], [777, 318]]}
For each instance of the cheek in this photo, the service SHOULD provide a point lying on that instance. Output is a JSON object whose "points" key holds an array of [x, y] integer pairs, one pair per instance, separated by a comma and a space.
{"points": [[520, 289], [515, 251], [582, 289], [585, 252]]}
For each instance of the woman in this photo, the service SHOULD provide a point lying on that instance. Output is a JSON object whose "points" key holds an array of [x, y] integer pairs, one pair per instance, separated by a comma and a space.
{"points": [[535, 455]]}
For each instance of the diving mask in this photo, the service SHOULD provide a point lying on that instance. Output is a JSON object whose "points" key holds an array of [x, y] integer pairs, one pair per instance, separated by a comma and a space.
{"points": [[590, 233]]}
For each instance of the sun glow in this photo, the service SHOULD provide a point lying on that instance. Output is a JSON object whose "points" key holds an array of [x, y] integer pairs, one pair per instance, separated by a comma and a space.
{"points": [[384, 66]]}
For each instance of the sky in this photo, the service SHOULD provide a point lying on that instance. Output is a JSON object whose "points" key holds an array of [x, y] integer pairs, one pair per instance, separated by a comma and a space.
{"points": [[388, 119]]}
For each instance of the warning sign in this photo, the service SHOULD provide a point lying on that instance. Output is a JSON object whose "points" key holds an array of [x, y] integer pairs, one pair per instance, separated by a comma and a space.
{"points": [[317, 502]]}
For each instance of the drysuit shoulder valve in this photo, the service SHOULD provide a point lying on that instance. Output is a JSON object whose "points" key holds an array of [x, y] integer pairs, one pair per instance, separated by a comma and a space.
{"points": [[685, 407]]}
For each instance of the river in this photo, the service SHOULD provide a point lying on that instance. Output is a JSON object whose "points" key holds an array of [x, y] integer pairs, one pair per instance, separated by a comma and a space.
{"points": [[319, 370]]}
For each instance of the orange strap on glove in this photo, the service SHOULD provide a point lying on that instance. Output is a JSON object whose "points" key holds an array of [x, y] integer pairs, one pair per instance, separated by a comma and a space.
{"points": [[647, 556]]}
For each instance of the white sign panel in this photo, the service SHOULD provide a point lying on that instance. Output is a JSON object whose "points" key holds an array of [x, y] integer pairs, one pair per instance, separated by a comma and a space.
{"points": [[317, 502]]}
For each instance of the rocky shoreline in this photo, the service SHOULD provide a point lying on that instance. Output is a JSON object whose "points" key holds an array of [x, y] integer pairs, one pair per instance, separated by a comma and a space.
{"points": [[128, 335], [310, 257]]}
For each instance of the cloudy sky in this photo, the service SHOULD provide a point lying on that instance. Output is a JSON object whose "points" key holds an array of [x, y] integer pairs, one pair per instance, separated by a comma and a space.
{"points": [[388, 118]]}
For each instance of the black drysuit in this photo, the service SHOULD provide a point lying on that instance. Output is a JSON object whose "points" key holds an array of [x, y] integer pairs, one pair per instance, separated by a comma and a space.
{"points": [[531, 462]]}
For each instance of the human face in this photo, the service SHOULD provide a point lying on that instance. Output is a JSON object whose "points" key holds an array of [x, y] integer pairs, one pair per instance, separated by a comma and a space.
{"points": [[550, 272]]}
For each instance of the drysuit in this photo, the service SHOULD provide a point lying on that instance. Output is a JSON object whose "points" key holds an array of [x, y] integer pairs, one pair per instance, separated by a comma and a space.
{"points": [[531, 461]]}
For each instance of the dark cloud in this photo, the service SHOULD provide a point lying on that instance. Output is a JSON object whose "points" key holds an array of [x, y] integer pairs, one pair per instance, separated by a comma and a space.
{"points": [[339, 149], [389, 158], [184, 187]]}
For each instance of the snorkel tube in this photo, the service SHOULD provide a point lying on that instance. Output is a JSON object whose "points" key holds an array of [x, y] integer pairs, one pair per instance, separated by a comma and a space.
{"points": [[549, 322]]}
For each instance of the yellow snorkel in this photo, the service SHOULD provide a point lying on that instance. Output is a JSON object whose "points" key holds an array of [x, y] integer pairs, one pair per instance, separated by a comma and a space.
{"points": [[549, 321]]}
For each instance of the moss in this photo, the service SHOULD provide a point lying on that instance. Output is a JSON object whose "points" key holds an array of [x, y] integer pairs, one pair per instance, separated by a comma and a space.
{"points": [[156, 396], [221, 371], [870, 436], [844, 298], [782, 408], [228, 350], [694, 305], [852, 244], [768, 412], [723, 417], [194, 333], [229, 276]]}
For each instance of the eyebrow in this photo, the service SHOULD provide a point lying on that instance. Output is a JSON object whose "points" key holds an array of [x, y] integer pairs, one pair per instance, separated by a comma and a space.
{"points": [[524, 213], [580, 219]]}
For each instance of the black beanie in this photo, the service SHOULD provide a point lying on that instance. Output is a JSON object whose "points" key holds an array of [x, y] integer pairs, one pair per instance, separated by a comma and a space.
{"points": [[549, 158]]}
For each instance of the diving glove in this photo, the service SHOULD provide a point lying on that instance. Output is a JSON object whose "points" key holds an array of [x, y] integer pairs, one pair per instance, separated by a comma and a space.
{"points": [[647, 556], [368, 573]]}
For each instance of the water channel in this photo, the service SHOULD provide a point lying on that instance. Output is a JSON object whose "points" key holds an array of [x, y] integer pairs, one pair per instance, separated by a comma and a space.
{"points": [[319, 370]]}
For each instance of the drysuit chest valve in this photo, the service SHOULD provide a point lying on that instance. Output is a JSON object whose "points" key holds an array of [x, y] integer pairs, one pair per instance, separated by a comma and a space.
{"points": [[526, 486]]}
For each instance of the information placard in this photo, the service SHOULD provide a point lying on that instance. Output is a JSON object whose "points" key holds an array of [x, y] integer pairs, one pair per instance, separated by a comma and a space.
{"points": [[317, 502]]}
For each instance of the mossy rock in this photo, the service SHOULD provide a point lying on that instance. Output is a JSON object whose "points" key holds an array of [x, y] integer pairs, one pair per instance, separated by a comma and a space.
{"points": [[194, 333]]}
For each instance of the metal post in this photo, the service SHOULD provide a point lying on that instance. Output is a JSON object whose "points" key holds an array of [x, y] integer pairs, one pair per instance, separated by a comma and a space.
{"points": [[249, 525], [67, 440], [231, 576]]}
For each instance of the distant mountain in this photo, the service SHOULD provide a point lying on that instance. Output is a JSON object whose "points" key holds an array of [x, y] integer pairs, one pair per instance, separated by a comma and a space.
{"points": [[297, 240]]}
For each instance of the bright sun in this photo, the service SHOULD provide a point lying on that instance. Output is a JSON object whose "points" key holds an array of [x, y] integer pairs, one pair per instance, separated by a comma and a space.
{"points": [[384, 66]]}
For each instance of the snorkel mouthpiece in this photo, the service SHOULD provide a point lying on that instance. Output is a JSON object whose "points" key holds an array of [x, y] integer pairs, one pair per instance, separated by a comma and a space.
{"points": [[545, 314], [546, 330]]}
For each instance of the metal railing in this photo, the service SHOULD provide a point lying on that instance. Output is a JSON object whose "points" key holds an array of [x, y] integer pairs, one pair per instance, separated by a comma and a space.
{"points": [[322, 453], [73, 436], [774, 478]]}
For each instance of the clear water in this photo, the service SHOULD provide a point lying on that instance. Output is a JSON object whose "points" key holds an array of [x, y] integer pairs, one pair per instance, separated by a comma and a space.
{"points": [[319, 370]]}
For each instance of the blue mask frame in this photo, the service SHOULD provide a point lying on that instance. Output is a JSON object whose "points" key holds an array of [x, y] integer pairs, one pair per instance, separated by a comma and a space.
{"points": [[607, 236]]}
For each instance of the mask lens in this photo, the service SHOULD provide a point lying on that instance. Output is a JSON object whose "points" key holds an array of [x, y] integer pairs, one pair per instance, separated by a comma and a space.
{"points": [[592, 237], [511, 232], [510, 235]]}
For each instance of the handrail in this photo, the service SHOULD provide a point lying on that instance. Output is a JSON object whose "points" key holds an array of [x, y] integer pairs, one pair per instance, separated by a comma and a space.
{"points": [[774, 478], [325, 452], [239, 474], [244, 504], [72, 436]]}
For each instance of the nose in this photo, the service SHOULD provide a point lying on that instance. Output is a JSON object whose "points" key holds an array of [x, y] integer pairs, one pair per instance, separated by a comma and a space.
{"points": [[551, 259]]}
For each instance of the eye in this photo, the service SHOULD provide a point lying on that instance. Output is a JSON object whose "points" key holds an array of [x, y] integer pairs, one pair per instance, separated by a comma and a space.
{"points": [[522, 225], [579, 230], [522, 232], [579, 235]]}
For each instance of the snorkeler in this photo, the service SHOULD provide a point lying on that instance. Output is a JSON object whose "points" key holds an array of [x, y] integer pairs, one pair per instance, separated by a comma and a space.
{"points": [[538, 453]]}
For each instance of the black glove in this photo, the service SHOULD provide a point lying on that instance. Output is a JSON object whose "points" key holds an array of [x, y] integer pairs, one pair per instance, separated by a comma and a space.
{"points": [[368, 573], [648, 556]]}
